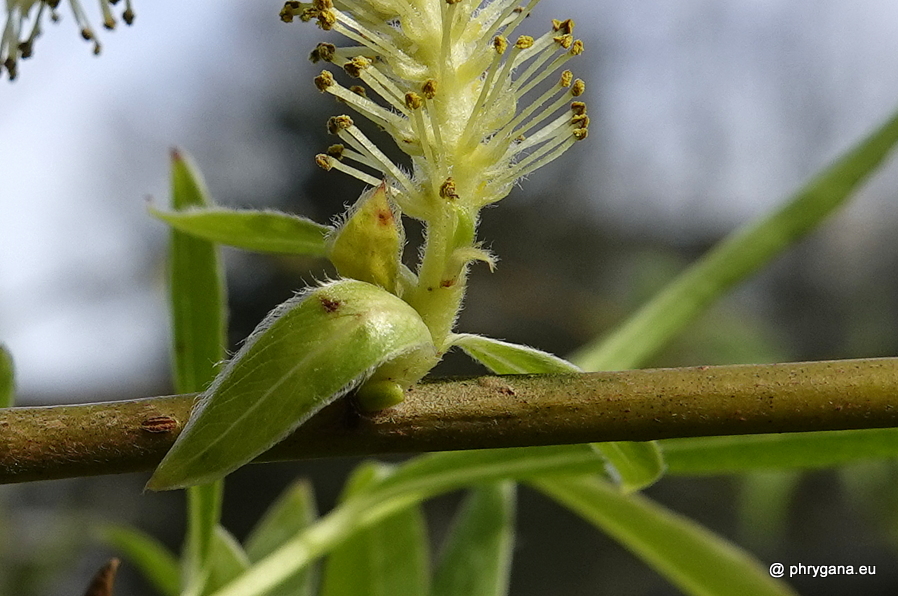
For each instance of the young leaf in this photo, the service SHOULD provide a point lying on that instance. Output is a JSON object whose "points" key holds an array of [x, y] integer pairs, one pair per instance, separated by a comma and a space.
{"points": [[157, 564], [386, 558], [697, 561], [260, 231], [199, 333], [226, 560], [633, 465], [7, 379], [477, 554], [293, 511], [741, 254], [505, 358], [308, 352]]}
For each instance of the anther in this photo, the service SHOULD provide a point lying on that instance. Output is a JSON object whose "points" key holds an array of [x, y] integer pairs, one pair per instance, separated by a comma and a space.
{"points": [[289, 11], [567, 77], [566, 27], [337, 123], [524, 42], [323, 51], [448, 190], [413, 101], [429, 89], [324, 80], [355, 66]]}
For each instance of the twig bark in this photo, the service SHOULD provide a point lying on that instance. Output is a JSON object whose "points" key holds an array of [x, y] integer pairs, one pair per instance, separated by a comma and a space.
{"points": [[39, 443]]}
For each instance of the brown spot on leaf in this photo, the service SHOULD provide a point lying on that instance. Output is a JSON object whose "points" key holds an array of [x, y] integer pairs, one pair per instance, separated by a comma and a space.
{"points": [[447, 283], [328, 304]]}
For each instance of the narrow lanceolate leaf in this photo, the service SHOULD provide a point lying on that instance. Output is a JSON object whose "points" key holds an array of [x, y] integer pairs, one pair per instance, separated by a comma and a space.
{"points": [[387, 558], [505, 358], [421, 478], [260, 231], [157, 564], [196, 287], [308, 352], [633, 465], [293, 511], [477, 556], [694, 559], [741, 254], [743, 453], [199, 335], [7, 379]]}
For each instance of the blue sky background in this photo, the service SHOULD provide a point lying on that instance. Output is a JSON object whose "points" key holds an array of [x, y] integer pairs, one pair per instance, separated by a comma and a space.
{"points": [[709, 113]]}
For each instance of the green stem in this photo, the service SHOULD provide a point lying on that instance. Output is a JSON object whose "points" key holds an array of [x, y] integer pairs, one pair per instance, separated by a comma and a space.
{"points": [[485, 412], [438, 296]]}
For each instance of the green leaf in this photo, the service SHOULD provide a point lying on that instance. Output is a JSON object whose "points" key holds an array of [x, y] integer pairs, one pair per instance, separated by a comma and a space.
{"points": [[199, 335], [505, 358], [305, 354], [764, 503], [411, 483], [226, 560], [633, 465], [157, 564], [477, 555], [196, 289], [203, 514], [293, 511], [694, 559], [386, 558], [7, 379], [260, 231], [811, 450], [740, 255]]}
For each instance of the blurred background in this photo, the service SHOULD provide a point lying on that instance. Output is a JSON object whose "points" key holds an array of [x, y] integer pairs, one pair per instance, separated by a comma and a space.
{"points": [[705, 115]]}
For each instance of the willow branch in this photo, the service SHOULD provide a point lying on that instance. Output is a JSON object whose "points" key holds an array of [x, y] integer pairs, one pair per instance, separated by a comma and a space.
{"points": [[39, 443]]}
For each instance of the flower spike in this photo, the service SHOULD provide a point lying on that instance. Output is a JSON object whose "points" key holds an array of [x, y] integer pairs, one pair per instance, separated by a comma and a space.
{"points": [[470, 102]]}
